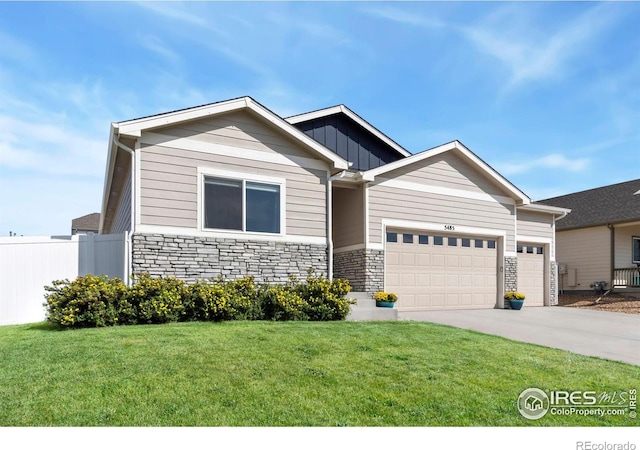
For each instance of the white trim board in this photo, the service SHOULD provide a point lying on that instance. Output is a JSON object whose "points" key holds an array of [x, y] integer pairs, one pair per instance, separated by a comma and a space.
{"points": [[533, 239], [440, 228], [431, 189], [247, 236], [163, 140], [349, 248]]}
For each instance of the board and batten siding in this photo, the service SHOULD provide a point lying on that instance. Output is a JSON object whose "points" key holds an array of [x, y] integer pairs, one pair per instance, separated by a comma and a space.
{"points": [[348, 216], [588, 251], [122, 221], [168, 179], [445, 171]]}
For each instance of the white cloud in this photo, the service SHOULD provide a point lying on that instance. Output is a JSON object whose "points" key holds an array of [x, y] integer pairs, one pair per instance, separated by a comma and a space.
{"points": [[552, 161], [535, 54], [403, 17], [157, 45]]}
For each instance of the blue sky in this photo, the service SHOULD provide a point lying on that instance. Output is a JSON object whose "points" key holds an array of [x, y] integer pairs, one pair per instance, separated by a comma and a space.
{"points": [[547, 93]]}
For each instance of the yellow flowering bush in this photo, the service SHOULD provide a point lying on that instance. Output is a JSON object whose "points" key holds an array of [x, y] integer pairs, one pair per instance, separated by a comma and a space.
{"points": [[157, 300], [88, 301]]}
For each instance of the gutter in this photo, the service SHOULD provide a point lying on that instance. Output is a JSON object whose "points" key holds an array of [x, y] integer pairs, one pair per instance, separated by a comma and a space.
{"points": [[612, 254]]}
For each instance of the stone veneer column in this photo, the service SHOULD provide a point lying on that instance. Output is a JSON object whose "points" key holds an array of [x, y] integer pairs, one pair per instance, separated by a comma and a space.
{"points": [[553, 285], [191, 258], [363, 268], [510, 276]]}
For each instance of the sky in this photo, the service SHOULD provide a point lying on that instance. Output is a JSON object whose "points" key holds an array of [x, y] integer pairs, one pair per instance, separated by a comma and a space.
{"points": [[546, 93]]}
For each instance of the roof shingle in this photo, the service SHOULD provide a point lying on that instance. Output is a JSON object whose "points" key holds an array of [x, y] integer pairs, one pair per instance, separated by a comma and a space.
{"points": [[616, 203]]}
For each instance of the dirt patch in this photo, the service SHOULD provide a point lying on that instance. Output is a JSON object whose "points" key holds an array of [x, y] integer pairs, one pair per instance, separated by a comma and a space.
{"points": [[612, 302]]}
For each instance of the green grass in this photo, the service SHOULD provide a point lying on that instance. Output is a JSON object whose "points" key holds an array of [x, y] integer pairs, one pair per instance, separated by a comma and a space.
{"points": [[286, 374]]}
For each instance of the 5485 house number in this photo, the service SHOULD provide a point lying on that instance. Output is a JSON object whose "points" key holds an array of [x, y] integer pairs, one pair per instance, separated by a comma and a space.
{"points": [[450, 228]]}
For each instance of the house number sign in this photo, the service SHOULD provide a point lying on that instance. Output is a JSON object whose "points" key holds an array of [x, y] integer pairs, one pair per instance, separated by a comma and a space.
{"points": [[450, 228]]}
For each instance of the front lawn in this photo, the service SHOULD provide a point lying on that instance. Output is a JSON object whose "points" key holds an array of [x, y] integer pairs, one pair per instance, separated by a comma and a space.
{"points": [[286, 374]]}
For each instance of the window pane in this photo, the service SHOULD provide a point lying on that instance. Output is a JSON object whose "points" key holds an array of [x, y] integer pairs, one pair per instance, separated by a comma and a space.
{"points": [[407, 238], [423, 239], [491, 244], [452, 242], [519, 249], [438, 240], [539, 250], [466, 242], [529, 249], [263, 207], [392, 237], [222, 204], [479, 243], [636, 250]]}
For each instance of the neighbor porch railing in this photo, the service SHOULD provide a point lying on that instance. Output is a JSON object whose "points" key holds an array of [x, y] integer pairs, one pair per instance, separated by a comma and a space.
{"points": [[629, 277]]}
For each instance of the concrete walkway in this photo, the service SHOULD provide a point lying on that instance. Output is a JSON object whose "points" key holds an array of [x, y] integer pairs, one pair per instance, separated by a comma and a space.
{"points": [[608, 335]]}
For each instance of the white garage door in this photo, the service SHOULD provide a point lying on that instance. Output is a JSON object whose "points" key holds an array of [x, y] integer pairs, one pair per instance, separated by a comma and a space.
{"points": [[531, 273], [440, 272]]}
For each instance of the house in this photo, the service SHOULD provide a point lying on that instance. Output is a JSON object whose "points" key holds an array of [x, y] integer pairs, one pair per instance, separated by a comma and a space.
{"points": [[89, 224], [600, 239], [230, 188]]}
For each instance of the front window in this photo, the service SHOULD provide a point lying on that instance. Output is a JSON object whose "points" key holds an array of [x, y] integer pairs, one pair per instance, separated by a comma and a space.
{"points": [[241, 205], [636, 250]]}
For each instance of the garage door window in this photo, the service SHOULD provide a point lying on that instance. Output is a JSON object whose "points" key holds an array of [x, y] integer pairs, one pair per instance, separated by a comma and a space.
{"points": [[466, 242], [491, 244], [423, 239], [452, 242], [392, 237], [438, 240], [479, 243], [529, 249], [407, 238], [519, 249], [539, 250]]}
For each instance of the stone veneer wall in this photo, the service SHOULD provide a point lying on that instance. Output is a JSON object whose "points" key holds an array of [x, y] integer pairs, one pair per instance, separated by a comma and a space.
{"points": [[510, 276], [553, 286], [191, 258], [363, 268]]}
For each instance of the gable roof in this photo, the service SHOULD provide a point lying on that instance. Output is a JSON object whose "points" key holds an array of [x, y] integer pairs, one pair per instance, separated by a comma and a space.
{"points": [[88, 222], [616, 203], [467, 154], [135, 127], [342, 109]]}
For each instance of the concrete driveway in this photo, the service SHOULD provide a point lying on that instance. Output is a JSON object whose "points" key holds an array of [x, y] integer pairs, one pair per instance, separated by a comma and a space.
{"points": [[608, 335]]}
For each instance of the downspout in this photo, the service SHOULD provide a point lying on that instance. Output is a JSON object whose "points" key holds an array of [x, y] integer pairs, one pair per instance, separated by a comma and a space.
{"points": [[613, 255], [129, 235]]}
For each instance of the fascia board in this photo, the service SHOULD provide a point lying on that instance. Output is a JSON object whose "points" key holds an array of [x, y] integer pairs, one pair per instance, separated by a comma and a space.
{"points": [[544, 209], [108, 175]]}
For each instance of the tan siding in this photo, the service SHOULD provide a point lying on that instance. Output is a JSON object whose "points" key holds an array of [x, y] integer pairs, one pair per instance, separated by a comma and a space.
{"points": [[239, 129], [446, 170], [348, 217], [587, 251], [535, 224], [169, 176], [122, 221], [401, 204], [623, 237]]}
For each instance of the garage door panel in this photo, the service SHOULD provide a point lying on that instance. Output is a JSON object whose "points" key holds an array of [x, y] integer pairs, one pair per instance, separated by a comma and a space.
{"points": [[428, 276], [531, 275]]}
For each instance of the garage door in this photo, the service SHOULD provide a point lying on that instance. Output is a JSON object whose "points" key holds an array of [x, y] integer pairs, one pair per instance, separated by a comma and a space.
{"points": [[531, 273], [440, 272]]}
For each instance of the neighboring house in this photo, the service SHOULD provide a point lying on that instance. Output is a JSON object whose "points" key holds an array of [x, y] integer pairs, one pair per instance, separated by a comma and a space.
{"points": [[89, 224], [600, 239], [232, 189]]}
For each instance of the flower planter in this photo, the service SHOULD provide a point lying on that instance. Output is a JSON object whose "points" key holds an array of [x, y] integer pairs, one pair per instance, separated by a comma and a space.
{"points": [[381, 304], [516, 304]]}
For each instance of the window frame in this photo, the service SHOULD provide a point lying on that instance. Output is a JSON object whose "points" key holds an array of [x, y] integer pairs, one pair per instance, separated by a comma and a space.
{"points": [[244, 178]]}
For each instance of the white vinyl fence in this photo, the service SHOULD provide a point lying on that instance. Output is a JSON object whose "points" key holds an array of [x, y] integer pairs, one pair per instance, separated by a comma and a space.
{"points": [[28, 264]]}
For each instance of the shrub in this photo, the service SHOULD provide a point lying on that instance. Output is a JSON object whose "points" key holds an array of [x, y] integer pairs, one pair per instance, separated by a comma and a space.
{"points": [[325, 299], [215, 300], [385, 297], [281, 303], [156, 300], [88, 301]]}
